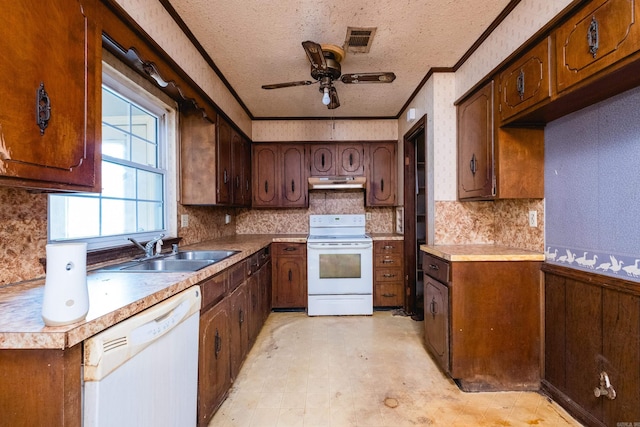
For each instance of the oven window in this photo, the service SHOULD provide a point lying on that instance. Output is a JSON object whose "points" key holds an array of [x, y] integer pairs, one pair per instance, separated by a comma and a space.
{"points": [[340, 266]]}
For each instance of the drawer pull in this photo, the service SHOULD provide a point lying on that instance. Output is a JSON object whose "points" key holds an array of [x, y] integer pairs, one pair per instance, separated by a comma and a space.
{"points": [[290, 248], [434, 267], [388, 295], [387, 247], [593, 37], [387, 261], [388, 275]]}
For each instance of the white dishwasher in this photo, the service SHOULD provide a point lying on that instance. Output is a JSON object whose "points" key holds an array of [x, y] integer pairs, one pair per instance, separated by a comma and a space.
{"points": [[143, 371]]}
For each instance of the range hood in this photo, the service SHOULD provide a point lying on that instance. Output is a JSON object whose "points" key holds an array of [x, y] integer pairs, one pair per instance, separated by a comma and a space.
{"points": [[336, 182]]}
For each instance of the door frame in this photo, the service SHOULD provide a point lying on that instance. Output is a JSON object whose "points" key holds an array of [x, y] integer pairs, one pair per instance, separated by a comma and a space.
{"points": [[410, 252]]}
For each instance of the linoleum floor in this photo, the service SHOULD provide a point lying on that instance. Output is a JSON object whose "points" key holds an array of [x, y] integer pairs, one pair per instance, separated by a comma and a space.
{"points": [[362, 371]]}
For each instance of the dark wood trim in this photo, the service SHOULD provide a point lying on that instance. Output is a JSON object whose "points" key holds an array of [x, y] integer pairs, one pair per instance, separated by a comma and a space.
{"points": [[571, 406], [421, 85], [607, 282], [325, 118], [355, 141]]}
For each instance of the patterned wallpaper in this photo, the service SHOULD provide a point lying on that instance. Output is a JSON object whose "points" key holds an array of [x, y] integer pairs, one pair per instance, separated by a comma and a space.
{"points": [[324, 130], [593, 188]]}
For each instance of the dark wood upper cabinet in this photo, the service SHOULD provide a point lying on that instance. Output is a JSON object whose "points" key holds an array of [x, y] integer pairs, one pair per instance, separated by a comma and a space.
{"points": [[215, 162], [526, 82], [475, 145], [381, 174], [331, 159], [52, 70], [279, 175], [596, 37]]}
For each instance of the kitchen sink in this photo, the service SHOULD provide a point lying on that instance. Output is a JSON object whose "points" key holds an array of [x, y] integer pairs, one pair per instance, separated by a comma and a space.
{"points": [[202, 255], [180, 261]]}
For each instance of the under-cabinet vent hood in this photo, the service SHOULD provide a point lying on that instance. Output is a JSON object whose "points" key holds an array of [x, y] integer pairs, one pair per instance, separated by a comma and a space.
{"points": [[336, 182]]}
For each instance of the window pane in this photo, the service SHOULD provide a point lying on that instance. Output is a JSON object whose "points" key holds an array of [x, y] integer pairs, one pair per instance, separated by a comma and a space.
{"points": [[118, 181], [144, 152], [150, 216], [118, 217], [150, 186], [74, 217], [115, 143], [115, 110], [143, 124]]}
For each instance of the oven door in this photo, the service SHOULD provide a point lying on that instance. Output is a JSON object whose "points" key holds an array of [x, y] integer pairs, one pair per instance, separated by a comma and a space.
{"points": [[340, 268]]}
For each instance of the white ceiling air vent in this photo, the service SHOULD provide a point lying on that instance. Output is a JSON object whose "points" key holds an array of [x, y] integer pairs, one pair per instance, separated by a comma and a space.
{"points": [[359, 39]]}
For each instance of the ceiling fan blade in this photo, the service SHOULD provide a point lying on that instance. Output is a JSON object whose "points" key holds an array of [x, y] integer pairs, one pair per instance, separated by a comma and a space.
{"points": [[288, 84], [315, 55], [335, 102], [368, 78]]}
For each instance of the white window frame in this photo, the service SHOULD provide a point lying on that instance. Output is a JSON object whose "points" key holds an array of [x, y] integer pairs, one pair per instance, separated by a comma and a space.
{"points": [[144, 94]]}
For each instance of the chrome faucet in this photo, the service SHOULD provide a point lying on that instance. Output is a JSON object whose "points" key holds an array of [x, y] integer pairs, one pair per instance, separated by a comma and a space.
{"points": [[149, 247]]}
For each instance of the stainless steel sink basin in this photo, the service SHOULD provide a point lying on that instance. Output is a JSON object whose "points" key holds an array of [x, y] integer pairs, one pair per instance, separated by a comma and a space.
{"points": [[181, 261], [202, 255]]}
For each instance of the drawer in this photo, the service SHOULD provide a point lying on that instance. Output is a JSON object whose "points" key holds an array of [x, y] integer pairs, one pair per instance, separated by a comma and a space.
{"points": [[289, 249], [388, 275], [213, 290], [387, 295], [238, 274], [388, 247], [391, 260], [436, 267]]}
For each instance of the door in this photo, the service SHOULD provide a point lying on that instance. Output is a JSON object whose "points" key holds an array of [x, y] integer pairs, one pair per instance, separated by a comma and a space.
{"points": [[381, 181], [239, 327], [322, 160], [289, 288], [350, 159], [415, 216]]}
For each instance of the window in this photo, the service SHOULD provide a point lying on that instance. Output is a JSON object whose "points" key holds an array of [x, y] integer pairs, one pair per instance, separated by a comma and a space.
{"points": [[138, 177]]}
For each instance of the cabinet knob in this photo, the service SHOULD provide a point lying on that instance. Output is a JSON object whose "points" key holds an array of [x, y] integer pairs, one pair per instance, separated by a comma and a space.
{"points": [[434, 267], [605, 388]]}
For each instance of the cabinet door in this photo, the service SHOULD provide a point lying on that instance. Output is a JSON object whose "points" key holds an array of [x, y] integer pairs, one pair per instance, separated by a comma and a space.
{"points": [[223, 163], [264, 278], [51, 64], [381, 179], [239, 327], [294, 185], [596, 37], [322, 160], [475, 145], [289, 287], [436, 321], [526, 82], [214, 377], [350, 159], [265, 172], [241, 169]]}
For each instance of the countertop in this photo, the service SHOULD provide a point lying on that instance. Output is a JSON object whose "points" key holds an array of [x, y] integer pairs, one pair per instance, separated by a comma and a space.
{"points": [[115, 296], [481, 253]]}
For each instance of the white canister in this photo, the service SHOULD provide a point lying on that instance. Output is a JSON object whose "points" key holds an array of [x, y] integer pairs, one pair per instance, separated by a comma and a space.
{"points": [[66, 296]]}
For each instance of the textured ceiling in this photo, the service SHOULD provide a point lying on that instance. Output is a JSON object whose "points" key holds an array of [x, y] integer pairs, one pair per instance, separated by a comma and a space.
{"points": [[257, 42]]}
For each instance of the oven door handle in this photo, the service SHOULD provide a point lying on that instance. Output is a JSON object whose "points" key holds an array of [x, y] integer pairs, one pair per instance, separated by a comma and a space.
{"points": [[338, 246]]}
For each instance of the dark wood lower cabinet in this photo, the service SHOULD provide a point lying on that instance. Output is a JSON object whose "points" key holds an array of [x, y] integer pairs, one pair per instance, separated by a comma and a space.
{"points": [[41, 387], [436, 321], [592, 327]]}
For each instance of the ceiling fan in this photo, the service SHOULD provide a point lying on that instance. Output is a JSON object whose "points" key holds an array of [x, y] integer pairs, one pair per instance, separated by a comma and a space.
{"points": [[325, 68]]}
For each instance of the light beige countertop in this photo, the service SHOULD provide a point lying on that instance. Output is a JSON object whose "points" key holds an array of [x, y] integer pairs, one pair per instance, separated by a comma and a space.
{"points": [[113, 296], [386, 236], [481, 253]]}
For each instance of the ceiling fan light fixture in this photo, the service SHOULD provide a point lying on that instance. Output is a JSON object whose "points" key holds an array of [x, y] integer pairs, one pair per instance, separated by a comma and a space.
{"points": [[326, 99]]}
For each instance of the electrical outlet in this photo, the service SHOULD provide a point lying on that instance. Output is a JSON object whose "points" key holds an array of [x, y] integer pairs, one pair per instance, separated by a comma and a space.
{"points": [[368, 216], [184, 221], [227, 218], [533, 218]]}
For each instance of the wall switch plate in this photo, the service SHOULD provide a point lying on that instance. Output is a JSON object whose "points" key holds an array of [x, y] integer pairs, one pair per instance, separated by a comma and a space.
{"points": [[184, 220], [533, 218]]}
